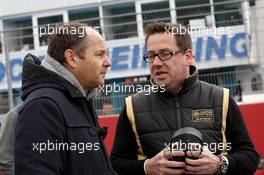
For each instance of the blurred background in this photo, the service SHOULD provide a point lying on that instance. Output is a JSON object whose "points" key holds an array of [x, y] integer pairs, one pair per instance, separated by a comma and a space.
{"points": [[228, 42]]}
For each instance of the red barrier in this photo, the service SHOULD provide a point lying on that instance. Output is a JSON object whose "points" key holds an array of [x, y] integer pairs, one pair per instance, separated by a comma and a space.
{"points": [[254, 119], [260, 172], [110, 122]]}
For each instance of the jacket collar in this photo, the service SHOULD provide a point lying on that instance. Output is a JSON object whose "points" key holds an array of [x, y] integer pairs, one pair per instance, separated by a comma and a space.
{"points": [[53, 65], [191, 81]]}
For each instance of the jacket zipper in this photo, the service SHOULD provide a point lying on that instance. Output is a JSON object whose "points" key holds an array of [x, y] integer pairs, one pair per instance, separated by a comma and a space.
{"points": [[179, 117]]}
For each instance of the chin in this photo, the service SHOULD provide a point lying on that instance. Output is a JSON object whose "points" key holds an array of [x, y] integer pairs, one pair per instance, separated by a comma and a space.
{"points": [[102, 82], [160, 83]]}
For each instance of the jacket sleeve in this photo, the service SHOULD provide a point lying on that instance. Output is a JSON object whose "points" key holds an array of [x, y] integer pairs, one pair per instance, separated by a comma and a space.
{"points": [[243, 159], [124, 151], [7, 142], [39, 128]]}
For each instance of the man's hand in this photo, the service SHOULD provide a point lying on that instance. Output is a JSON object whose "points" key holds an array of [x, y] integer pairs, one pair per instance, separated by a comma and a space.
{"points": [[206, 164], [160, 165]]}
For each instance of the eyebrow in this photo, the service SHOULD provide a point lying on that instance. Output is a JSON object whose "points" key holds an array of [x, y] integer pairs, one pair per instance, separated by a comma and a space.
{"points": [[161, 50], [167, 49], [100, 51]]}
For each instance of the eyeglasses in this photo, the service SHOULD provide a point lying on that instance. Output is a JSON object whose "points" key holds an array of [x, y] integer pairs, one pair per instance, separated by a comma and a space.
{"points": [[163, 56]]}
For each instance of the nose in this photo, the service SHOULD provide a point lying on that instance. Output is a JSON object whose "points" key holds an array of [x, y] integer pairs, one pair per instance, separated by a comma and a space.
{"points": [[157, 61], [107, 62]]}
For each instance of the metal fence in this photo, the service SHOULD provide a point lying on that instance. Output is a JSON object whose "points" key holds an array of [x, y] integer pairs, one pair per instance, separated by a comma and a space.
{"points": [[111, 100]]}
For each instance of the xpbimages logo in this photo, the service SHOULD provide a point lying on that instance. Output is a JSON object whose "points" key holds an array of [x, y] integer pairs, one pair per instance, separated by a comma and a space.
{"points": [[80, 147], [199, 31], [131, 88], [183, 146], [57, 29]]}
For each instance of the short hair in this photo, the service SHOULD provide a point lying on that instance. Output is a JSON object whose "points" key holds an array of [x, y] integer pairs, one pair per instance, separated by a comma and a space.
{"points": [[182, 37], [64, 37]]}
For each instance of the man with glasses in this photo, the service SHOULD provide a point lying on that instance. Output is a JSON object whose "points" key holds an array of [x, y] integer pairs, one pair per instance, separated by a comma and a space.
{"points": [[147, 122]]}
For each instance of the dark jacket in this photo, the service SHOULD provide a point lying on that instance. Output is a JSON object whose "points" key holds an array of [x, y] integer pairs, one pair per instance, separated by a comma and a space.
{"points": [[57, 130], [158, 115]]}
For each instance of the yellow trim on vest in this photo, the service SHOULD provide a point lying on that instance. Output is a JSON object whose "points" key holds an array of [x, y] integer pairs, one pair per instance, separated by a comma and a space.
{"points": [[131, 118], [224, 116]]}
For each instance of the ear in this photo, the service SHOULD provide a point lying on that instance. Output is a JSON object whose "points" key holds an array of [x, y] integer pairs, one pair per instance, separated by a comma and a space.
{"points": [[189, 57], [70, 59]]}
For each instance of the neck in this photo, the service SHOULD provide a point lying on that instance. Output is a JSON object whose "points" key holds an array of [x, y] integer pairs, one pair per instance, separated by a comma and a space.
{"points": [[174, 91]]}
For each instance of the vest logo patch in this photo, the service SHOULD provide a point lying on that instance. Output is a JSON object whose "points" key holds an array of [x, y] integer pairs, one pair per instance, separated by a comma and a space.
{"points": [[203, 115]]}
